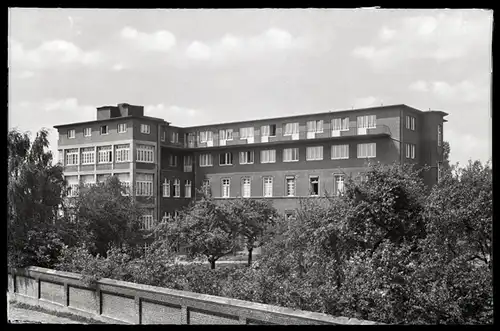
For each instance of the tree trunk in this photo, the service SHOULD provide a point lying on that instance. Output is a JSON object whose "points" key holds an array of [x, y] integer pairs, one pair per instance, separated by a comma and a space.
{"points": [[212, 263], [250, 249]]}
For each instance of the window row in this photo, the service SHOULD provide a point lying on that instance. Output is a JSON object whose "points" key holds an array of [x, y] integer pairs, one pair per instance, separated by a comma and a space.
{"points": [[291, 128], [268, 186], [166, 188], [313, 153], [104, 129], [144, 153]]}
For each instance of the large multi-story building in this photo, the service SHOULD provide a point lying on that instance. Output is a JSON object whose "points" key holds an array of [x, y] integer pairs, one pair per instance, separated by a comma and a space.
{"points": [[281, 159]]}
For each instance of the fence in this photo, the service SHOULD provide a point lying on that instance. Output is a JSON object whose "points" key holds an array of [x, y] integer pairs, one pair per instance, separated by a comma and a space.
{"points": [[119, 302]]}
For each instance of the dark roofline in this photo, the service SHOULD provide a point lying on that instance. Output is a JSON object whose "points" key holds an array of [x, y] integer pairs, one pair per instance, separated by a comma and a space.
{"points": [[307, 115], [112, 119]]}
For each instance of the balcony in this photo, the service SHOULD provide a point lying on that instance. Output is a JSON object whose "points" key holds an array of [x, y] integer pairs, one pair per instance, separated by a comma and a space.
{"points": [[302, 135]]}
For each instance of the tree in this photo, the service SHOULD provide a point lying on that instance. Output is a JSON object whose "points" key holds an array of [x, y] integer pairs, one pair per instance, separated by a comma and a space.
{"points": [[252, 220], [106, 216], [35, 191], [205, 229]]}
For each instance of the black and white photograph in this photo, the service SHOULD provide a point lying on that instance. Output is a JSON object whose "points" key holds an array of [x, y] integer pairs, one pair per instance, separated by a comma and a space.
{"points": [[259, 166]]}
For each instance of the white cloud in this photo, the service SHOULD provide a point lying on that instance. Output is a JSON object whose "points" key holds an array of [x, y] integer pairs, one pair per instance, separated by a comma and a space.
{"points": [[118, 67], [50, 53], [178, 116], [464, 91], [419, 86], [366, 102], [25, 74], [442, 37], [232, 47], [161, 41]]}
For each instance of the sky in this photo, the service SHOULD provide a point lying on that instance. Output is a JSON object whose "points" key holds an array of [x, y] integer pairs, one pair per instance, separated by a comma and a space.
{"points": [[202, 66]]}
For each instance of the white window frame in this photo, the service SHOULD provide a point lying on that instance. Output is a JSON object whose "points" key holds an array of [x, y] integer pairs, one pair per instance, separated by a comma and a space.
{"points": [[145, 153], [205, 186], [177, 188], [340, 124], [88, 155], [440, 135], [188, 185], [247, 157], [163, 136], [310, 189], [267, 191], [188, 163], [367, 121], [410, 151], [71, 134], [246, 187], [226, 134], [315, 126], [145, 128], [226, 182], [367, 147], [337, 179], [144, 187], [314, 153], [166, 188], [174, 138], [226, 159], [287, 186], [72, 156], [121, 126], [122, 153], [340, 149], [206, 157], [269, 152], [291, 128], [285, 150], [206, 136], [104, 154], [265, 130], [172, 160], [247, 132], [101, 130], [87, 132], [147, 221]]}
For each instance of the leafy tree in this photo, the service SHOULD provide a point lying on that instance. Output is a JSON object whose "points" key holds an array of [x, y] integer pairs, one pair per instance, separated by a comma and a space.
{"points": [[35, 191], [252, 220], [106, 216]]}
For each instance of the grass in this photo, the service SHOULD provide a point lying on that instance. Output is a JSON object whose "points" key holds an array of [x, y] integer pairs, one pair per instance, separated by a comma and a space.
{"points": [[70, 316]]}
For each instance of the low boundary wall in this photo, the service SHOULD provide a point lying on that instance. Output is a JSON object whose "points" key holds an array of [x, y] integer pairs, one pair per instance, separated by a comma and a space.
{"points": [[118, 302]]}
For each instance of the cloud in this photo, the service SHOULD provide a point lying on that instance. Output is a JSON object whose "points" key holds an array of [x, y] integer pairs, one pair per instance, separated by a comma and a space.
{"points": [[161, 41], [446, 36], [465, 146], [118, 67], [464, 91], [178, 116], [232, 47], [25, 74], [49, 54], [366, 102]]}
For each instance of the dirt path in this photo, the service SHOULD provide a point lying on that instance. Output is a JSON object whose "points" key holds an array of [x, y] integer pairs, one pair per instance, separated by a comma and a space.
{"points": [[21, 315]]}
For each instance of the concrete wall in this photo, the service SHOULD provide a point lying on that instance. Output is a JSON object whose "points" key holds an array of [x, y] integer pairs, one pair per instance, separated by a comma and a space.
{"points": [[120, 302]]}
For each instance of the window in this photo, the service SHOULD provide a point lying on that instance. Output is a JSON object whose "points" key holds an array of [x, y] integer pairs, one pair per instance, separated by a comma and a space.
{"points": [[166, 188], [290, 186], [340, 124], [268, 130], [60, 156], [88, 155], [367, 121], [172, 160], [268, 186], [314, 185], [87, 132], [167, 216], [145, 153], [71, 134], [174, 138], [410, 151], [104, 129], [205, 160], [226, 158], [145, 128], [410, 122], [367, 150], [290, 154], [72, 156], [440, 135], [122, 153], [188, 163], [144, 184], [206, 136], [206, 186], [338, 184], [315, 126], [340, 152], [246, 133], [439, 170], [226, 182], [105, 154], [163, 135], [226, 134], [124, 179], [268, 156], [122, 127], [87, 180], [147, 220], [246, 190], [177, 188], [314, 153], [246, 157], [187, 188], [291, 128]]}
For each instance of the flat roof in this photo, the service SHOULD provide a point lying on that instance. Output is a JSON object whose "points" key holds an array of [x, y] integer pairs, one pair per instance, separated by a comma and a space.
{"points": [[112, 119]]}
